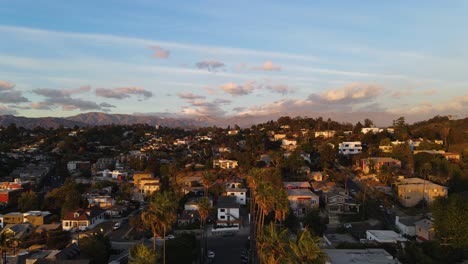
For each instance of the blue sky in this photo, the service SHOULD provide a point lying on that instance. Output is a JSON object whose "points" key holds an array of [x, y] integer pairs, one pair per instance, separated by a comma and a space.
{"points": [[229, 58]]}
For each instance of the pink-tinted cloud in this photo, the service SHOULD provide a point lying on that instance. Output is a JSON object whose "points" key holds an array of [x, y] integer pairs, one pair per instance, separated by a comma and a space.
{"points": [[190, 96], [123, 92], [238, 89], [4, 85], [353, 92], [268, 66], [160, 52]]}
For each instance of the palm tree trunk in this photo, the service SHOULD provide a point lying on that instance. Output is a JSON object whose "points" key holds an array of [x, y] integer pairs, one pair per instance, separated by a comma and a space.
{"points": [[164, 245]]}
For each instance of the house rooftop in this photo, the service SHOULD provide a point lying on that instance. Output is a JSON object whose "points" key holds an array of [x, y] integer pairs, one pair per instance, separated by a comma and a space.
{"points": [[294, 185], [362, 256], [227, 202], [300, 192], [236, 189], [425, 223]]}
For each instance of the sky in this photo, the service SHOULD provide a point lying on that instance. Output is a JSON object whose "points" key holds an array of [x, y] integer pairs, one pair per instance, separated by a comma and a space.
{"points": [[234, 58]]}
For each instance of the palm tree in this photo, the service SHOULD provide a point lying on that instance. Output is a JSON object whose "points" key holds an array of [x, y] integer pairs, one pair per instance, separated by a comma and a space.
{"points": [[204, 208], [207, 180], [272, 245], [160, 216], [306, 250], [281, 206]]}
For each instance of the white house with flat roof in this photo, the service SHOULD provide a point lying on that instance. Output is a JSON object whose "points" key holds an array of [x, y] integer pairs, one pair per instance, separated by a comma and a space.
{"points": [[361, 256], [350, 148], [384, 236]]}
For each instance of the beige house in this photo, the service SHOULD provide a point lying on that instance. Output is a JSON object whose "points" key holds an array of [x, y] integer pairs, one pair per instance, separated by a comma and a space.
{"points": [[137, 176], [325, 134], [377, 163], [302, 201], [411, 191], [225, 164]]}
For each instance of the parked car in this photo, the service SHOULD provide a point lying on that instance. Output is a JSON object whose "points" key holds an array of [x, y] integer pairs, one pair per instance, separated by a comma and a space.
{"points": [[116, 226], [211, 254]]}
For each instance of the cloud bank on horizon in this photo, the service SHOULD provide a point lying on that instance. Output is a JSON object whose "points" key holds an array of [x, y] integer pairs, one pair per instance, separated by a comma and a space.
{"points": [[290, 59]]}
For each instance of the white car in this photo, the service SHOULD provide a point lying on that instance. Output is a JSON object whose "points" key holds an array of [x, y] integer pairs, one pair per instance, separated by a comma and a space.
{"points": [[211, 254], [116, 226], [170, 237]]}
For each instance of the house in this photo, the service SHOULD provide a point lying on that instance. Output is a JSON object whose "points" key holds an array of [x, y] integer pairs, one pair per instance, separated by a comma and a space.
{"points": [[451, 156], [386, 149], [11, 218], [316, 176], [350, 148], [340, 203], [119, 175], [83, 218], [362, 256], [325, 134], [10, 191], [18, 231], [296, 185], [370, 164], [279, 136], [384, 236], [149, 188], [374, 130], [424, 229], [138, 175], [302, 201], [77, 165], [228, 212], [37, 218], [406, 225], [239, 193], [101, 201], [411, 191], [288, 144], [225, 164]]}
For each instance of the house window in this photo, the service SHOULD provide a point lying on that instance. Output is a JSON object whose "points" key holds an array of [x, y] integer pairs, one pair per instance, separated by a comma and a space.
{"points": [[222, 210], [242, 193], [232, 194], [222, 217]]}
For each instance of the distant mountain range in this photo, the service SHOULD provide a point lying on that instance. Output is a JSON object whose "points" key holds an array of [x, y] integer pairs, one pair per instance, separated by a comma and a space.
{"points": [[99, 118]]}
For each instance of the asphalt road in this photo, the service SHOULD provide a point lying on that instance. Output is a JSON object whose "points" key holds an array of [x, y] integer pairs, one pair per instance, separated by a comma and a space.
{"points": [[228, 249]]}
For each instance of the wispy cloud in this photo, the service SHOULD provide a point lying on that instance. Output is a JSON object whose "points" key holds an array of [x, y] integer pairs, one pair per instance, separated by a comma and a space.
{"points": [[57, 93], [210, 65], [160, 52], [280, 88], [190, 96], [113, 39], [122, 93], [4, 110], [12, 97]]}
